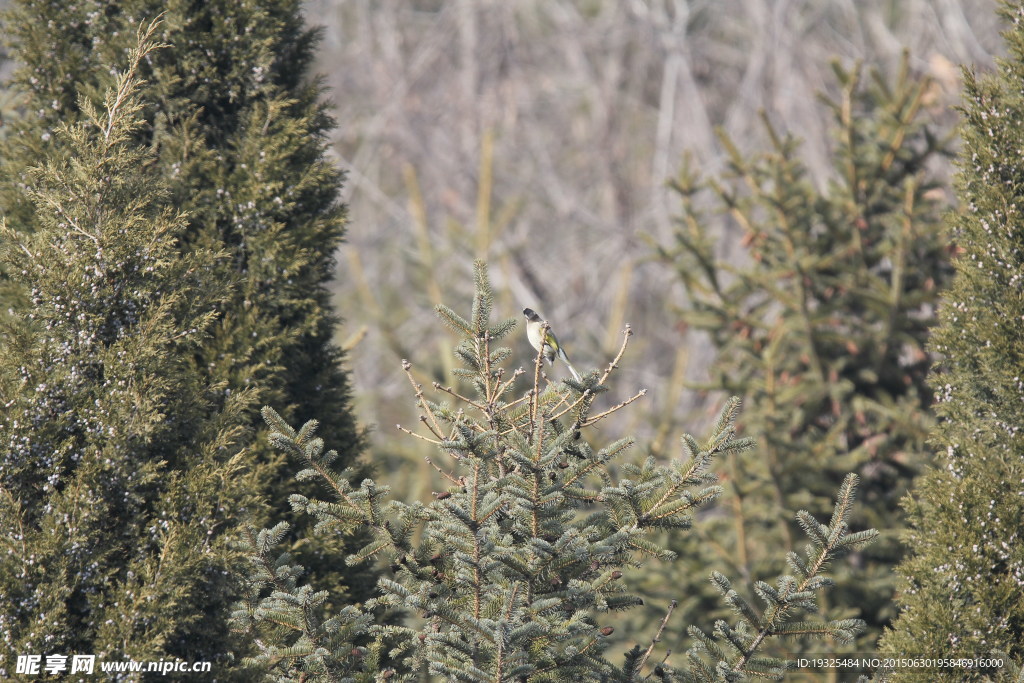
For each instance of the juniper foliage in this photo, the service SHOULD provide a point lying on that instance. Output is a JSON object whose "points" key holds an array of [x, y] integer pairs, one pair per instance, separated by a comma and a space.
{"points": [[964, 579], [238, 130], [118, 474]]}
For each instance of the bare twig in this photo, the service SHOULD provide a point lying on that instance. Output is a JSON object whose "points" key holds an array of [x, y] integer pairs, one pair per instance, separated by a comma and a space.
{"points": [[535, 390], [619, 406], [575, 404], [417, 388], [418, 436], [657, 636], [451, 392], [626, 334], [444, 474], [505, 386]]}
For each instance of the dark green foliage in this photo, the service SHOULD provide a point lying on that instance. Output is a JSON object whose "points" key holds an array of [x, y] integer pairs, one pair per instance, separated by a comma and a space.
{"points": [[238, 133], [119, 475], [820, 323], [964, 594], [517, 569]]}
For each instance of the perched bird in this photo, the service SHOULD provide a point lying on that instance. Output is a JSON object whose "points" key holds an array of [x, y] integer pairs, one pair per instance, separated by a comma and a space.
{"points": [[536, 334]]}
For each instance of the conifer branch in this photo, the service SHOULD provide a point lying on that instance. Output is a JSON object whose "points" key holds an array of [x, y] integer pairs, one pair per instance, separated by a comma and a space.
{"points": [[487, 376], [827, 542], [13, 508], [127, 83]]}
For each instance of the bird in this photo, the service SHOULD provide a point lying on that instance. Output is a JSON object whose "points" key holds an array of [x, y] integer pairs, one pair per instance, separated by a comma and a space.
{"points": [[535, 332]]}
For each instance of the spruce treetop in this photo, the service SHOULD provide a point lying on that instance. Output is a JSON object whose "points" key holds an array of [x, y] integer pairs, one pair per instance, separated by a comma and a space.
{"points": [[514, 569]]}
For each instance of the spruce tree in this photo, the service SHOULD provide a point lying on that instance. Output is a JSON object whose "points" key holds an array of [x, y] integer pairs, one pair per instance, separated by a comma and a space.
{"points": [[819, 322], [119, 474], [238, 133], [517, 568], [964, 592]]}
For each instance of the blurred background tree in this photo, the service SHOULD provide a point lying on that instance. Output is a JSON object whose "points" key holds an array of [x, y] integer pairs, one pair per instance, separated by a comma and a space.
{"points": [[820, 326]]}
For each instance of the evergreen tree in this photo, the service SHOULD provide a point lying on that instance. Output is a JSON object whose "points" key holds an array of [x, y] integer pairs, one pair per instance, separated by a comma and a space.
{"points": [[238, 134], [820, 324], [10, 113], [964, 594], [515, 571], [118, 474]]}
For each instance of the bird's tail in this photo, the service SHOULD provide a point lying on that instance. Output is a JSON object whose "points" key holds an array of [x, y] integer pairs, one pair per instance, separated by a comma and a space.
{"points": [[575, 374], [565, 359]]}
